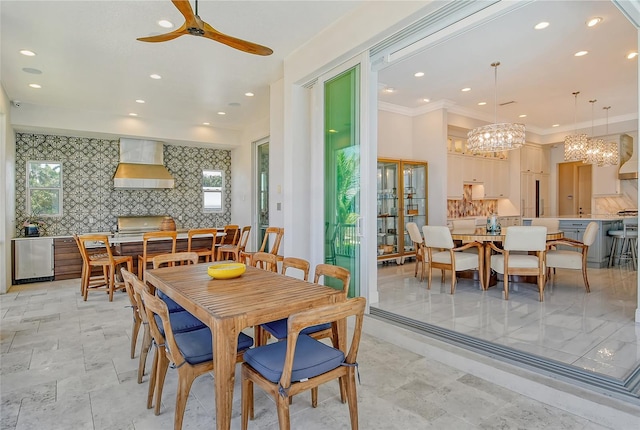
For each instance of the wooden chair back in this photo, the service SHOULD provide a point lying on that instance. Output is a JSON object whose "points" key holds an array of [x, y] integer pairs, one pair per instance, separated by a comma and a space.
{"points": [[171, 259], [273, 235], [336, 272], [170, 235], [238, 248], [208, 252], [265, 261], [296, 263], [232, 234]]}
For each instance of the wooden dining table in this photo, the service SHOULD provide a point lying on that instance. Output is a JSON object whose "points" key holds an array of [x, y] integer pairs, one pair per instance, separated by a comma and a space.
{"points": [[480, 234], [227, 306]]}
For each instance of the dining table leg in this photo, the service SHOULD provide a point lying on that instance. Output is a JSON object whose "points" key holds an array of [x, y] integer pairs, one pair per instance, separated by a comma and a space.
{"points": [[486, 281], [225, 346]]}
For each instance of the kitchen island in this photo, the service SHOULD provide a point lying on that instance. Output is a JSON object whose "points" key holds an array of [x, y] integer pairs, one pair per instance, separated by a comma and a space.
{"points": [[574, 226]]}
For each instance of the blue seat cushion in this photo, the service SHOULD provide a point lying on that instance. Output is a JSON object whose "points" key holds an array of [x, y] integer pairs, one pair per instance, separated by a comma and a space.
{"points": [[196, 347], [171, 305], [278, 329], [180, 322], [312, 358]]}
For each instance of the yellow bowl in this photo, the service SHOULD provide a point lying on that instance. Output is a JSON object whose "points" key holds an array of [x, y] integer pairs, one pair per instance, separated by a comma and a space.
{"points": [[226, 270]]}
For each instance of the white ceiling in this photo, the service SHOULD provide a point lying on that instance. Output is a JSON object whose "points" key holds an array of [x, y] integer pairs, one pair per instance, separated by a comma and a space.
{"points": [[538, 70], [91, 61]]}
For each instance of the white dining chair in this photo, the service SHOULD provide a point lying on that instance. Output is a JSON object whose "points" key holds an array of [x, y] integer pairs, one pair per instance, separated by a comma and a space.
{"points": [[567, 259], [418, 246], [552, 224]]}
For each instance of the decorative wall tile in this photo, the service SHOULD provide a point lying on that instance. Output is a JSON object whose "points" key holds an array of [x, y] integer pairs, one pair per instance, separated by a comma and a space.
{"points": [[468, 207], [88, 166]]}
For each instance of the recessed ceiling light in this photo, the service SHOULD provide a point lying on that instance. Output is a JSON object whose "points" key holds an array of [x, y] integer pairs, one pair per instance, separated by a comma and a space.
{"points": [[418, 74], [426, 100], [222, 113], [32, 70], [632, 55], [140, 101], [27, 53], [581, 53], [249, 94], [464, 90], [155, 76], [35, 85], [524, 115], [206, 123], [482, 103], [541, 25], [133, 114], [555, 125], [594, 21], [165, 24], [389, 90]]}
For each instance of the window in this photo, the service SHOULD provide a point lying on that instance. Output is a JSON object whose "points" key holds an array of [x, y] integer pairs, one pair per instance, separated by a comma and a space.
{"points": [[212, 185], [44, 188]]}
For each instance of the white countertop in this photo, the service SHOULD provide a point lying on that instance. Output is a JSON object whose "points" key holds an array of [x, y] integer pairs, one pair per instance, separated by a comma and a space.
{"points": [[114, 239], [585, 217]]}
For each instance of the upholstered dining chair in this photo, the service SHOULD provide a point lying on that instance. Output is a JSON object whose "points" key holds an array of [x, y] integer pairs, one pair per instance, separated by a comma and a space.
{"points": [[147, 256], [444, 255], [285, 369], [208, 252], [509, 262], [464, 224], [137, 317], [234, 251], [191, 352], [273, 236], [418, 246], [107, 262], [552, 224], [567, 259]]}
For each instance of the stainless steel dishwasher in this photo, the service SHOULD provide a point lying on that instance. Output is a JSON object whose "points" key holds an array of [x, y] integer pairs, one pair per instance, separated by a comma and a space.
{"points": [[33, 259]]}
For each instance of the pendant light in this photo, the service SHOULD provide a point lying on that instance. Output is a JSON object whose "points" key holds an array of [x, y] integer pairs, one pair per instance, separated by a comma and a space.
{"points": [[595, 147], [575, 145], [610, 151], [496, 137]]}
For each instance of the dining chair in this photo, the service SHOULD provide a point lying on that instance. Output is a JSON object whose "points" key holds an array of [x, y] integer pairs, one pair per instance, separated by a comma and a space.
{"points": [[180, 258], [272, 235], [137, 319], [296, 263], [209, 253], [464, 224], [146, 256], [181, 321], [285, 369], [552, 224], [328, 272], [93, 279], [265, 261], [231, 234], [418, 246], [107, 281], [235, 251], [190, 352], [567, 259], [449, 257], [509, 262]]}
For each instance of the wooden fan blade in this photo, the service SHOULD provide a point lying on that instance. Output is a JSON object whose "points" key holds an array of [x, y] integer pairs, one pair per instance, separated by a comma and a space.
{"points": [[234, 42], [166, 36], [185, 9]]}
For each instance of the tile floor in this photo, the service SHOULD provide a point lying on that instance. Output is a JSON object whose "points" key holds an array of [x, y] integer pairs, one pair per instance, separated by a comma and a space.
{"points": [[64, 364], [595, 331]]}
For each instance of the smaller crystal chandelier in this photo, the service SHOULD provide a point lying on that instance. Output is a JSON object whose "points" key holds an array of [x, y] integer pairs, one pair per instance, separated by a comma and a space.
{"points": [[496, 137], [610, 153], [595, 147], [575, 145]]}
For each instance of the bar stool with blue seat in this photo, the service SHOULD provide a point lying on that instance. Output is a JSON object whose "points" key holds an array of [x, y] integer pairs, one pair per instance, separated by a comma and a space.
{"points": [[627, 237]]}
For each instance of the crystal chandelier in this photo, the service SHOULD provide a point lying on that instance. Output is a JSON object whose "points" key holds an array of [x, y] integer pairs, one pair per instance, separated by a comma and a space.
{"points": [[610, 152], [575, 145], [595, 147], [496, 137]]}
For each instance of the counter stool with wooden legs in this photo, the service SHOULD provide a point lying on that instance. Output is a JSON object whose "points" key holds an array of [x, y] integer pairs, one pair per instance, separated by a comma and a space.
{"points": [[107, 282], [209, 254], [146, 256], [234, 251], [93, 279]]}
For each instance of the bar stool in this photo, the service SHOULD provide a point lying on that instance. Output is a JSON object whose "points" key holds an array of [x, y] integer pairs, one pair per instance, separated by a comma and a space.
{"points": [[147, 257], [628, 237], [107, 281]]}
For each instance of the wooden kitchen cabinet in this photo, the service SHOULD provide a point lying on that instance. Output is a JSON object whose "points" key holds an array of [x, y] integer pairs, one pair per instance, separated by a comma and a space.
{"points": [[534, 159], [67, 261], [402, 198]]}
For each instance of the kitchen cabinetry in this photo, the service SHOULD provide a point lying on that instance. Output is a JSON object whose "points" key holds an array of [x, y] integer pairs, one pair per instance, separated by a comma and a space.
{"points": [[455, 188], [492, 173], [402, 198], [605, 180], [534, 159], [67, 258], [534, 192]]}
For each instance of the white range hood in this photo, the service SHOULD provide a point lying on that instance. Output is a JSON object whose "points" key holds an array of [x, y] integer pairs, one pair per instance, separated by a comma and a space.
{"points": [[142, 165]]}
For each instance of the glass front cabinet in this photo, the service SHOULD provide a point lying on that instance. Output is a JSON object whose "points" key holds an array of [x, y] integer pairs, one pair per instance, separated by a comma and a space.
{"points": [[402, 198]]}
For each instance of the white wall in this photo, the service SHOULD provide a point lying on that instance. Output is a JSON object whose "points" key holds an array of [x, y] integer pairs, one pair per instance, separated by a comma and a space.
{"points": [[395, 135], [8, 184]]}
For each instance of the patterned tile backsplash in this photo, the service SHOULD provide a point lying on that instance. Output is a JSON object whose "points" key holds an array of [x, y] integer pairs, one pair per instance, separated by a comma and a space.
{"points": [[468, 207], [88, 194]]}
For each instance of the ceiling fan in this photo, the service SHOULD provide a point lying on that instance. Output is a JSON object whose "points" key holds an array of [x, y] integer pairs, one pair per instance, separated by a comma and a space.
{"points": [[195, 26]]}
